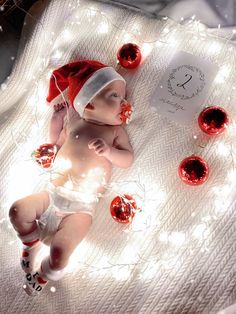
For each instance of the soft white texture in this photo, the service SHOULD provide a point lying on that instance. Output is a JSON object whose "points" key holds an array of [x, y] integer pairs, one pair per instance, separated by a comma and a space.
{"points": [[179, 254]]}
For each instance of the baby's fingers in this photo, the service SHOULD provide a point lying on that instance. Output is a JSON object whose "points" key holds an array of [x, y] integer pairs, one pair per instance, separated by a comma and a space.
{"points": [[94, 143], [100, 152], [59, 106]]}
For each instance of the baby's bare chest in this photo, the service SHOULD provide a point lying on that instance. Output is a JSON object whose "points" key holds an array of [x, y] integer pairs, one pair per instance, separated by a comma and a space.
{"points": [[78, 136], [82, 133], [76, 150]]}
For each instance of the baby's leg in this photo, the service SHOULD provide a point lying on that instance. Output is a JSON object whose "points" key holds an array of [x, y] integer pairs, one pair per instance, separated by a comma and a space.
{"points": [[71, 232], [23, 214]]}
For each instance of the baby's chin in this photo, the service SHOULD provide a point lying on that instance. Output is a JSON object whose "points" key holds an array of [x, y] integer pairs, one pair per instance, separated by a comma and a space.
{"points": [[116, 121]]}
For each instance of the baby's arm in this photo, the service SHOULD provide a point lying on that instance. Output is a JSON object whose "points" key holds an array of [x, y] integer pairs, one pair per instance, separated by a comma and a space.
{"points": [[57, 132], [120, 153]]}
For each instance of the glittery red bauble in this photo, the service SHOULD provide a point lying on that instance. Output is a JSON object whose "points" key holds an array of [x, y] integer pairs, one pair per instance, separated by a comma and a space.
{"points": [[123, 208], [129, 56], [193, 170], [45, 155], [213, 120]]}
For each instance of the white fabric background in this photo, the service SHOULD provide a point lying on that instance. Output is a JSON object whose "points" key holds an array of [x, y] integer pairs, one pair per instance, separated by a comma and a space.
{"points": [[141, 272], [210, 12]]}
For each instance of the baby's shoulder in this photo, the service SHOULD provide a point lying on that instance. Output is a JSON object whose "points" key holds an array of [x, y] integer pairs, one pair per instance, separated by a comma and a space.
{"points": [[120, 131], [71, 117]]}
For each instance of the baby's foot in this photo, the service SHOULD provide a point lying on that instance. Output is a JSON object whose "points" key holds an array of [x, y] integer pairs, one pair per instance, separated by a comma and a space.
{"points": [[29, 253], [34, 283]]}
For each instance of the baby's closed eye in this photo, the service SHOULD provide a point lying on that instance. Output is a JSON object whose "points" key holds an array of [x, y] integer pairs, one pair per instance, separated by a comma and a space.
{"points": [[113, 95]]}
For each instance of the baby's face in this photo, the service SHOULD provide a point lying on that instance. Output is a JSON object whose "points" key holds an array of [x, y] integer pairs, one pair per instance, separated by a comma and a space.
{"points": [[106, 106]]}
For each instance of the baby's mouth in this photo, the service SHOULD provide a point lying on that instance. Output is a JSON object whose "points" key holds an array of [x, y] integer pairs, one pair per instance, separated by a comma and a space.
{"points": [[126, 112]]}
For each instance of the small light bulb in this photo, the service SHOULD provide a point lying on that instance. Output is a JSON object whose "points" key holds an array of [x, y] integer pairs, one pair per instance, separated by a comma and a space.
{"points": [[103, 28], [177, 238], [3, 86], [163, 237], [146, 49], [166, 30], [67, 34], [57, 54], [223, 73], [92, 12], [199, 231], [215, 48], [53, 289]]}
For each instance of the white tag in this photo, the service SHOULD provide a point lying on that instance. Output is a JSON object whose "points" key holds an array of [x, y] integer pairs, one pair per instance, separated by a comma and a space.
{"points": [[184, 87]]}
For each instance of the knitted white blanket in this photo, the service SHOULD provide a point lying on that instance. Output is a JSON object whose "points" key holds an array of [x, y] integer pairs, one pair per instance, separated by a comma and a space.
{"points": [[178, 256]]}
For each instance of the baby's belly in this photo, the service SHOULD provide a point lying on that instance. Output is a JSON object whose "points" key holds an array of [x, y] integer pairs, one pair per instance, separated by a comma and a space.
{"points": [[86, 173]]}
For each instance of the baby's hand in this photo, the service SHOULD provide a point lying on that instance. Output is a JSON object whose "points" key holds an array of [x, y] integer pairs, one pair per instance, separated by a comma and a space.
{"points": [[59, 107], [100, 146]]}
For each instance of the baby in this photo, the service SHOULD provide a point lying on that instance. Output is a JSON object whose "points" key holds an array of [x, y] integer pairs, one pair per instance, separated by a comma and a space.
{"points": [[90, 138]]}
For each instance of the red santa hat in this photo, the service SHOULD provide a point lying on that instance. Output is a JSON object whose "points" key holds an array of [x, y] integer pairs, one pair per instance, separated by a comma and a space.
{"points": [[82, 80]]}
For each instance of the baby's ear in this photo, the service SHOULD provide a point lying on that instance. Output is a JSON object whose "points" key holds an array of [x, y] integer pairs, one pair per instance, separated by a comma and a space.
{"points": [[89, 106]]}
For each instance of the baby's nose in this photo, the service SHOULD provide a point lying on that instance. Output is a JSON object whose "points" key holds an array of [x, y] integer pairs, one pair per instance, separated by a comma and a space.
{"points": [[123, 102]]}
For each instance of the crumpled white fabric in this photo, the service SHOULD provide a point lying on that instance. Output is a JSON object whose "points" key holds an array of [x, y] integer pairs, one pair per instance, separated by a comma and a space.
{"points": [[209, 12], [179, 255]]}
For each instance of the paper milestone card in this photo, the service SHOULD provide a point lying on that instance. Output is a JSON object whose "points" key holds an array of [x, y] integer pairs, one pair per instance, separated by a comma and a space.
{"points": [[183, 88]]}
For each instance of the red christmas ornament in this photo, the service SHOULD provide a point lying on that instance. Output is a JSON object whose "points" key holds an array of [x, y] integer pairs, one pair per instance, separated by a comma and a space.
{"points": [[213, 120], [45, 155], [126, 112], [129, 56], [193, 170], [123, 208]]}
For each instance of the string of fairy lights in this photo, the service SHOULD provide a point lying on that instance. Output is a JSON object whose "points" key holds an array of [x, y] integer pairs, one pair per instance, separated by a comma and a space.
{"points": [[143, 221]]}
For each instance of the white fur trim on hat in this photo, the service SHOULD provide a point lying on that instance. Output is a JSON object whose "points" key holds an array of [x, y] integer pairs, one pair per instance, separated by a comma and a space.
{"points": [[100, 79]]}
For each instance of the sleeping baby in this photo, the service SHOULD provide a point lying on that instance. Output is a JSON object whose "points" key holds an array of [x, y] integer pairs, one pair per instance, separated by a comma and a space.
{"points": [[90, 138]]}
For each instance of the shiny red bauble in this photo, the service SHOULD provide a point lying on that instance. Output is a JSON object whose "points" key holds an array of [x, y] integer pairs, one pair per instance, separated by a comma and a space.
{"points": [[129, 56], [193, 170], [123, 208], [213, 120], [44, 155]]}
